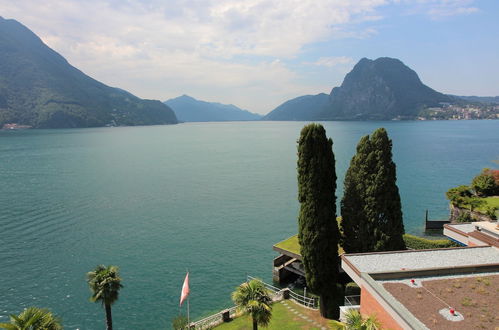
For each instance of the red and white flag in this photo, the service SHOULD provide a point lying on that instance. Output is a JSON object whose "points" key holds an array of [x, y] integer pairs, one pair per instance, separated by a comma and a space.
{"points": [[185, 289]]}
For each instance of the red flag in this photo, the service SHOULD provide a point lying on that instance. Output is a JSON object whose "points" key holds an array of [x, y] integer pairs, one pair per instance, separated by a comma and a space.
{"points": [[185, 289]]}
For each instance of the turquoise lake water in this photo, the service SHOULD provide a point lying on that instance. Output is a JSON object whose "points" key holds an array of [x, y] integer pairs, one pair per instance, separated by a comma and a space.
{"points": [[209, 197]]}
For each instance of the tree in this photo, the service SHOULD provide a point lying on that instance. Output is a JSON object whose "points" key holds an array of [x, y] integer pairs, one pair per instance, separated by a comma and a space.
{"points": [[354, 321], [459, 195], [179, 322], [370, 208], [105, 284], [317, 227], [484, 184], [33, 318], [253, 298]]}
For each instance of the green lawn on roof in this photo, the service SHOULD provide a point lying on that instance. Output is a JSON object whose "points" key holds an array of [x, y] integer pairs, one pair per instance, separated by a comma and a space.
{"points": [[291, 244], [282, 318]]}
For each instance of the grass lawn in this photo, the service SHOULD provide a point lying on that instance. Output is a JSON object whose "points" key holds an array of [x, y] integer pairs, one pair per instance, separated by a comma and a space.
{"points": [[492, 201], [291, 244], [282, 318]]}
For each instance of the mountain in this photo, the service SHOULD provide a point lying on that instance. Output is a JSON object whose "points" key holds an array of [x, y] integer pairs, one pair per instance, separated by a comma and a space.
{"points": [[379, 89], [300, 108], [480, 99], [187, 108], [38, 87]]}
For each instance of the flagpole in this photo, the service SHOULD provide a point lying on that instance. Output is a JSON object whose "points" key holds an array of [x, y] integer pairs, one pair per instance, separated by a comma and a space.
{"points": [[188, 319], [188, 316]]}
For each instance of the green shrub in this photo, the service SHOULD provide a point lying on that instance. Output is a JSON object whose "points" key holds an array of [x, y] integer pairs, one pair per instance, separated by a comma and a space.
{"points": [[420, 243], [459, 195], [484, 184], [464, 217], [491, 212], [179, 322]]}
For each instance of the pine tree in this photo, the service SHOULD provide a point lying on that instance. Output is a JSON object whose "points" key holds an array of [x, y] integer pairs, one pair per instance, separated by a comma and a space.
{"points": [[318, 230], [371, 209]]}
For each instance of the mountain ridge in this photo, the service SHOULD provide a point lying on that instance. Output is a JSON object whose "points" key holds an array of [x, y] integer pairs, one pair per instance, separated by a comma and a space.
{"points": [[40, 88], [189, 109], [381, 89]]}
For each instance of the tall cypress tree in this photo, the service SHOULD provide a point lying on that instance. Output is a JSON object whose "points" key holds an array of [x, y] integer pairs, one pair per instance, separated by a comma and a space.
{"points": [[317, 227], [354, 223], [370, 208]]}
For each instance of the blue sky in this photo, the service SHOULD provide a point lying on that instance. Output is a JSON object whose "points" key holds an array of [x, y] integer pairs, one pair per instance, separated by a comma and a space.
{"points": [[257, 54]]}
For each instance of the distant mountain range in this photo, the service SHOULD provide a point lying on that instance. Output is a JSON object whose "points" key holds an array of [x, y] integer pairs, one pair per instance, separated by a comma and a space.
{"points": [[189, 109], [380, 89], [480, 99], [39, 88]]}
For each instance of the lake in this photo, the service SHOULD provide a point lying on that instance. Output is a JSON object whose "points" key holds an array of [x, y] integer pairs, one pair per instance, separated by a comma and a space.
{"points": [[211, 198]]}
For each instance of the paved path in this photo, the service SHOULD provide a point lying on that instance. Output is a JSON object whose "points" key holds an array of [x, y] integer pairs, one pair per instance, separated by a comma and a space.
{"points": [[306, 318]]}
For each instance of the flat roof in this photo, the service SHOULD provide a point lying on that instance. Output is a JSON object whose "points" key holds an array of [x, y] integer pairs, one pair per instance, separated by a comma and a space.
{"points": [[290, 247], [378, 262], [430, 299], [464, 227], [491, 227]]}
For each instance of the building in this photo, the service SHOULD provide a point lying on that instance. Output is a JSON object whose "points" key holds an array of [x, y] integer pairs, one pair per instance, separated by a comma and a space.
{"points": [[452, 288], [474, 234]]}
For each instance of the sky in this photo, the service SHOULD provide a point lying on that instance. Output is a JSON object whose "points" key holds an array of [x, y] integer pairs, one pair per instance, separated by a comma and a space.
{"points": [[256, 54]]}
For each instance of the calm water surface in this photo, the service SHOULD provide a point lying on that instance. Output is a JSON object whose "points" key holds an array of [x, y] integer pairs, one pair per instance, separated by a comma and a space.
{"points": [[212, 198]]}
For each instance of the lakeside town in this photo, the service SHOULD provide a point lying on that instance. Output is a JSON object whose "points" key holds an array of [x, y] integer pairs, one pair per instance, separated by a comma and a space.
{"points": [[448, 111]]}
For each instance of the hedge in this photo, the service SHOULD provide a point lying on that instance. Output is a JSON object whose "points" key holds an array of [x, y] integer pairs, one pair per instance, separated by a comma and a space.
{"points": [[420, 243]]}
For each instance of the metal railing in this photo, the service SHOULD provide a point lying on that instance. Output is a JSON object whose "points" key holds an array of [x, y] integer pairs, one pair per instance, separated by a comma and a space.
{"points": [[303, 300], [268, 286], [352, 300], [278, 294]]}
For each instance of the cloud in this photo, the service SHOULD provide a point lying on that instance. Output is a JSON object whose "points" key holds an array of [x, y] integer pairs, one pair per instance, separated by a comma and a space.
{"points": [[438, 9], [332, 61], [153, 47]]}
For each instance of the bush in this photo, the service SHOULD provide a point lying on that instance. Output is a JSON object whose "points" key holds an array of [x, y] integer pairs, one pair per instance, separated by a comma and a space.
{"points": [[459, 195], [484, 184], [179, 322], [491, 212], [420, 243], [464, 217]]}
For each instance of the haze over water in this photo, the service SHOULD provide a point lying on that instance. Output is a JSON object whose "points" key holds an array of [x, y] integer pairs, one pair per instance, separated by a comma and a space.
{"points": [[208, 197]]}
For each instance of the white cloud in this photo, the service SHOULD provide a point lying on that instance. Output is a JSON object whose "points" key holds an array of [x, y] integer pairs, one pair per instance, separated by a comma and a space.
{"points": [[332, 61], [155, 48], [437, 9]]}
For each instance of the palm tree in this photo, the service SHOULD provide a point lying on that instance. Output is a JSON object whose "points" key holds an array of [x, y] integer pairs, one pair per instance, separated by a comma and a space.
{"points": [[252, 298], [105, 284], [33, 318], [354, 321]]}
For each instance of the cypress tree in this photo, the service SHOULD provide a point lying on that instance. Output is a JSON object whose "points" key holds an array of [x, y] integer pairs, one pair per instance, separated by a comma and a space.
{"points": [[371, 209], [317, 227], [354, 223]]}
